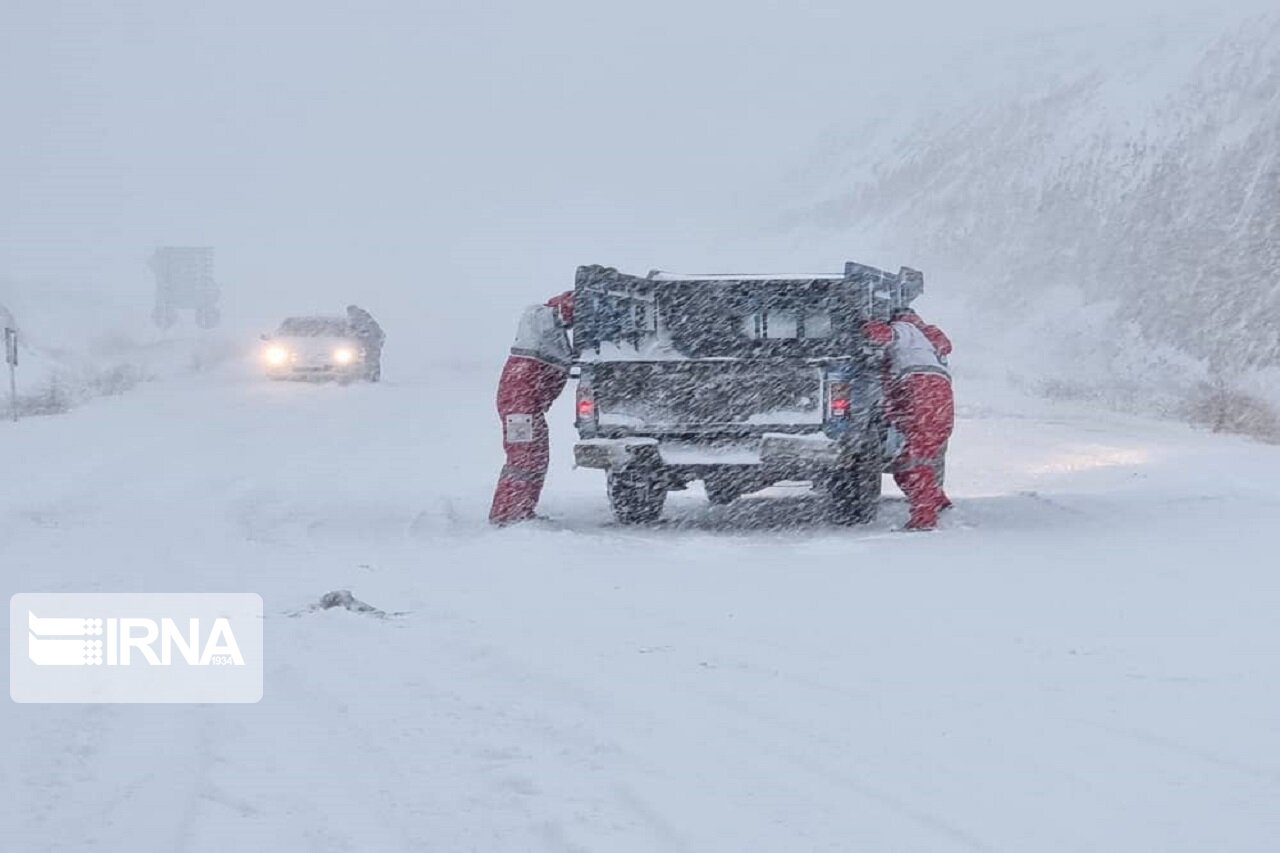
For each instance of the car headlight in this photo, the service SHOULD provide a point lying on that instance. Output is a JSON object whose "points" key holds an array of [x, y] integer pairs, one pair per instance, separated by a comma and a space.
{"points": [[344, 355], [276, 356]]}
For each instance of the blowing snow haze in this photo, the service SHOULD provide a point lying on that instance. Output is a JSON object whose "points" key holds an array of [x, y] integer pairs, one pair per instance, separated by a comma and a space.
{"points": [[665, 597], [444, 160]]}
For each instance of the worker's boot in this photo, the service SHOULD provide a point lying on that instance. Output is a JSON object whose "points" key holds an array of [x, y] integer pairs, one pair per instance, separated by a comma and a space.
{"points": [[923, 494], [516, 497]]}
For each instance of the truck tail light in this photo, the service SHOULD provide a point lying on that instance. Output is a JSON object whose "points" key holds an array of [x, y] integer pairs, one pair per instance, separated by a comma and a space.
{"points": [[586, 404], [839, 399]]}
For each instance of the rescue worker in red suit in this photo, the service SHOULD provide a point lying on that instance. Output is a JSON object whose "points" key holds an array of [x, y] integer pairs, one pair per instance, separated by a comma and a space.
{"points": [[532, 379], [920, 405]]}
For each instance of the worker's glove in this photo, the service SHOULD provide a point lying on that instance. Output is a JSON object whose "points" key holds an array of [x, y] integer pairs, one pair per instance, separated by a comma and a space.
{"points": [[878, 332], [564, 308]]}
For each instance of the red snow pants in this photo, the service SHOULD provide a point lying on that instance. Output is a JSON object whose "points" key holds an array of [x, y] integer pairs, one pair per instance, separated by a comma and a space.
{"points": [[526, 391], [922, 407]]}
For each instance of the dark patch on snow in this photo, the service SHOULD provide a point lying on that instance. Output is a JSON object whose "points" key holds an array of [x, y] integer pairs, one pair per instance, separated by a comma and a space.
{"points": [[344, 599]]}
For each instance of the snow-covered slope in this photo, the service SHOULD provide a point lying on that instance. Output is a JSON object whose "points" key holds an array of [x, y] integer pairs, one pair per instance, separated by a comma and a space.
{"points": [[1109, 200], [78, 342], [1080, 660]]}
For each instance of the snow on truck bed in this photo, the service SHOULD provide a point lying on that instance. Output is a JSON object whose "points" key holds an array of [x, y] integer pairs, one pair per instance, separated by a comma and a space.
{"points": [[786, 417], [654, 348], [729, 277], [1083, 658]]}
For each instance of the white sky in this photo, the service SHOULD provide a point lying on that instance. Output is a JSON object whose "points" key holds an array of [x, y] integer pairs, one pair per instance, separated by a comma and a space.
{"points": [[421, 157]]}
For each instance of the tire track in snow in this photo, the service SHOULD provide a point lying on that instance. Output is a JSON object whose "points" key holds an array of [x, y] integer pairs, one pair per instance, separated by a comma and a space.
{"points": [[904, 808], [1156, 741]]}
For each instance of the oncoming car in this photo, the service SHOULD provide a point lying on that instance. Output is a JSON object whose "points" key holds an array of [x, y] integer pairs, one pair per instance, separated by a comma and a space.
{"points": [[314, 348]]}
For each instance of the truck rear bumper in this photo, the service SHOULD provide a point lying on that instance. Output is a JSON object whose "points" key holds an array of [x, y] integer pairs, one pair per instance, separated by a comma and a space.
{"points": [[771, 450], [614, 454]]}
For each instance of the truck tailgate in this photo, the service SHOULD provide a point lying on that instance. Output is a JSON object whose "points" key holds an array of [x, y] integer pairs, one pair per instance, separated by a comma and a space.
{"points": [[670, 395]]}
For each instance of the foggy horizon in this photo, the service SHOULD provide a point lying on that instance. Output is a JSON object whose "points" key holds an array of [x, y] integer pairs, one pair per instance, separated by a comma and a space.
{"points": [[414, 157]]}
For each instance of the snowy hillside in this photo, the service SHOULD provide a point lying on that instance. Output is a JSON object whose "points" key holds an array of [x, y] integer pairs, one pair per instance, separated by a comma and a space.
{"points": [[1110, 199]]}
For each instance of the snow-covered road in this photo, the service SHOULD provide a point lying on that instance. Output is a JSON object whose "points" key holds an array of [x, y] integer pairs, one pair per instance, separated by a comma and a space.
{"points": [[1084, 659]]}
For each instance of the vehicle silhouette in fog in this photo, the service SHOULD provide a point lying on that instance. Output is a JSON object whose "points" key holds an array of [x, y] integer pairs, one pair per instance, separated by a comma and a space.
{"points": [[184, 281], [315, 348]]}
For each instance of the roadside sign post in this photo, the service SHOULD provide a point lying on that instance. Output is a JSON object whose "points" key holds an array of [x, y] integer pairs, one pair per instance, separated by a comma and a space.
{"points": [[11, 357]]}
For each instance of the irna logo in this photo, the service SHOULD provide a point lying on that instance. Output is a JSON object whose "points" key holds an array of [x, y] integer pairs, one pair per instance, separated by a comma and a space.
{"points": [[135, 647], [112, 641]]}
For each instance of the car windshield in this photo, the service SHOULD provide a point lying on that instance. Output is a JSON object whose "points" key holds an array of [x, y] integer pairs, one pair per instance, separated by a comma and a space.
{"points": [[315, 327]]}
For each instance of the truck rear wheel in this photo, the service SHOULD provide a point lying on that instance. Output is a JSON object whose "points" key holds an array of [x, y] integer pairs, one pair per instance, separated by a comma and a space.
{"points": [[854, 491], [635, 496]]}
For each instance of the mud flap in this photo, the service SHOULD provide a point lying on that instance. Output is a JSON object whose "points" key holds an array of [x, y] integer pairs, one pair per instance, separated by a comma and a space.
{"points": [[894, 444], [617, 454]]}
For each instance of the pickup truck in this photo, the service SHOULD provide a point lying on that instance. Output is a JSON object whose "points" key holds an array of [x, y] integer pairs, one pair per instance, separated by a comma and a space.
{"points": [[740, 381]]}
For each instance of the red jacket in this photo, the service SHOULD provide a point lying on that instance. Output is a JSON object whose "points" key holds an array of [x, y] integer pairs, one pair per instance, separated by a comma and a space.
{"points": [[941, 343], [538, 367], [909, 355], [882, 333]]}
